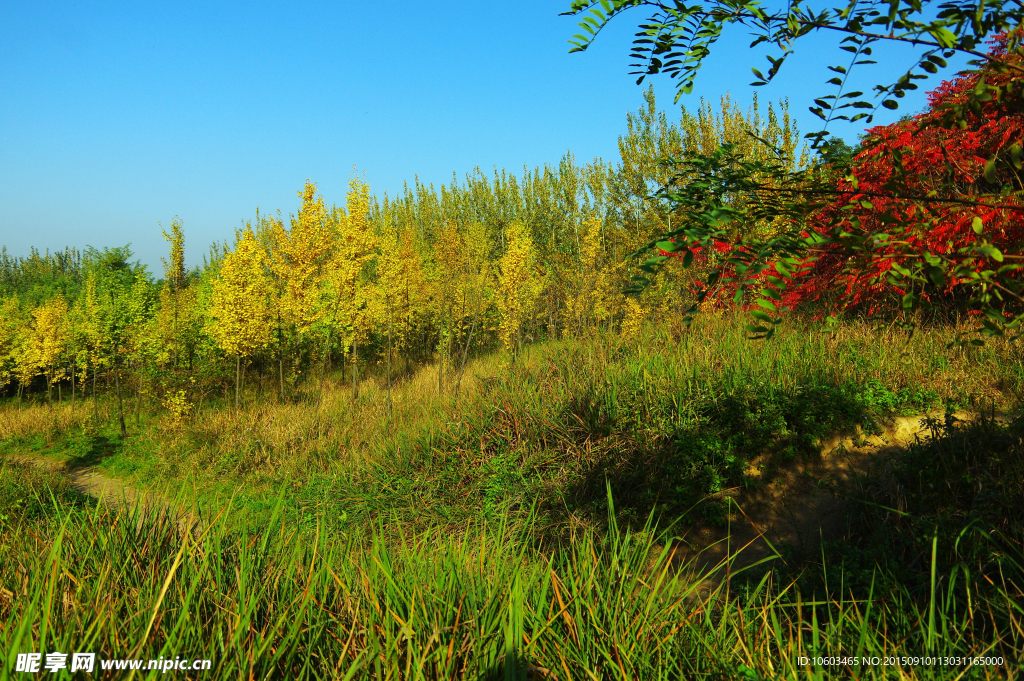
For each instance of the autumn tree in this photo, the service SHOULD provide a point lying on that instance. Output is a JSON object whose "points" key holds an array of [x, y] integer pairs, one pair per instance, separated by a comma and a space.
{"points": [[401, 294], [10, 326], [520, 285], [48, 339], [300, 257], [240, 319], [353, 248], [676, 40]]}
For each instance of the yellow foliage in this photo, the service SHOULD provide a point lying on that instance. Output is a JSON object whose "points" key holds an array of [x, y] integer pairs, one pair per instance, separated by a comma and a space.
{"points": [[179, 406], [91, 326], [636, 314], [174, 270], [354, 247], [10, 327], [520, 284], [301, 254], [402, 294], [239, 309], [48, 337]]}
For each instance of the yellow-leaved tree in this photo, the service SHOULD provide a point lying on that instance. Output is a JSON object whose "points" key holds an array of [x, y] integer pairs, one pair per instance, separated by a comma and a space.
{"points": [[92, 337], [450, 258], [596, 283], [520, 285], [10, 323], [48, 339], [299, 258], [401, 298], [239, 307], [354, 247]]}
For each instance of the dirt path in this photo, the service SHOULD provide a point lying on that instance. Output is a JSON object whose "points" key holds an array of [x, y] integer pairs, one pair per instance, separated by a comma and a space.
{"points": [[114, 493], [799, 508]]}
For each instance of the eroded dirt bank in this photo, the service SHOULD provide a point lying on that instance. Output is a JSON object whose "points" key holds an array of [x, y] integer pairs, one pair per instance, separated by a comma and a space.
{"points": [[804, 503]]}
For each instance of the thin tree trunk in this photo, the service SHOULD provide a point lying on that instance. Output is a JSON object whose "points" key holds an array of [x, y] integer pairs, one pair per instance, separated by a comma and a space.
{"points": [[355, 369], [465, 350], [72, 386], [323, 370], [238, 380], [280, 355], [390, 323], [138, 402], [95, 402], [441, 349], [120, 403], [49, 386]]}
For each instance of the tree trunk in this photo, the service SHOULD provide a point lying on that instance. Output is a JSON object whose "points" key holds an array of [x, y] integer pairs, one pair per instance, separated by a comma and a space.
{"points": [[95, 403], [280, 355], [280, 371], [72, 386], [390, 323], [120, 404], [465, 351], [355, 369], [138, 401], [440, 351], [49, 386], [238, 380]]}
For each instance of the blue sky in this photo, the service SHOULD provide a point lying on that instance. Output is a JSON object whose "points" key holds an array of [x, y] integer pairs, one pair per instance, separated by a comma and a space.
{"points": [[115, 117]]}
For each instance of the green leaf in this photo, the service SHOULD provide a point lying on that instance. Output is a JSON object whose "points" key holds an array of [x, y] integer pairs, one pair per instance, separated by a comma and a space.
{"points": [[977, 225], [990, 251], [891, 104], [990, 170], [767, 304], [1015, 157], [937, 276]]}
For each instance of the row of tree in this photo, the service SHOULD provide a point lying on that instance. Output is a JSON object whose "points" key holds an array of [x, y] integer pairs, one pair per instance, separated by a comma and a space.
{"points": [[427, 276]]}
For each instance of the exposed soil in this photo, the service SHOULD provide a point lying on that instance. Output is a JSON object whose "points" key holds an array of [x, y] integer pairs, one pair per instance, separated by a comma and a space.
{"points": [[113, 492], [801, 506]]}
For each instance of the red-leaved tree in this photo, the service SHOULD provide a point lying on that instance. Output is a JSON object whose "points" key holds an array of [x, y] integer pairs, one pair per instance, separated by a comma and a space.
{"points": [[917, 182]]}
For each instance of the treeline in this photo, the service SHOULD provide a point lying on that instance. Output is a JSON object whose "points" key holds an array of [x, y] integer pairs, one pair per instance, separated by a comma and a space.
{"points": [[432, 275]]}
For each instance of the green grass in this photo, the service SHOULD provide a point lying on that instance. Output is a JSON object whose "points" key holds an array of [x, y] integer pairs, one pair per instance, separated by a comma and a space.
{"points": [[488, 602], [475, 540], [670, 422]]}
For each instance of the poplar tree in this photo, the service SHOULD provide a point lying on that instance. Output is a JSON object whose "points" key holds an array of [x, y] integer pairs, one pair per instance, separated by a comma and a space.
{"points": [[300, 256], [10, 323], [49, 338], [240, 318], [520, 285], [354, 247]]}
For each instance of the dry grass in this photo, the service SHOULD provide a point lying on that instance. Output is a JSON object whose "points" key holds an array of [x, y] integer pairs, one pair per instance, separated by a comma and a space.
{"points": [[48, 420]]}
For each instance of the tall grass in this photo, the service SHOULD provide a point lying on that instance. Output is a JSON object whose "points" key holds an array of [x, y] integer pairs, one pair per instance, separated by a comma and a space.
{"points": [[670, 418], [488, 602]]}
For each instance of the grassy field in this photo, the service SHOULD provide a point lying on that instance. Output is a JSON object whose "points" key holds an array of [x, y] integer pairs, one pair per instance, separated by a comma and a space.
{"points": [[525, 530]]}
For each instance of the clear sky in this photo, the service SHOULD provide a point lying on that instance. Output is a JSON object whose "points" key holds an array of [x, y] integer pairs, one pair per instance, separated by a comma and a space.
{"points": [[117, 116]]}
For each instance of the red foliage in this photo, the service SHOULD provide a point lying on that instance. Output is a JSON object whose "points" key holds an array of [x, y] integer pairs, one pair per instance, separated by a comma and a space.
{"points": [[932, 154]]}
